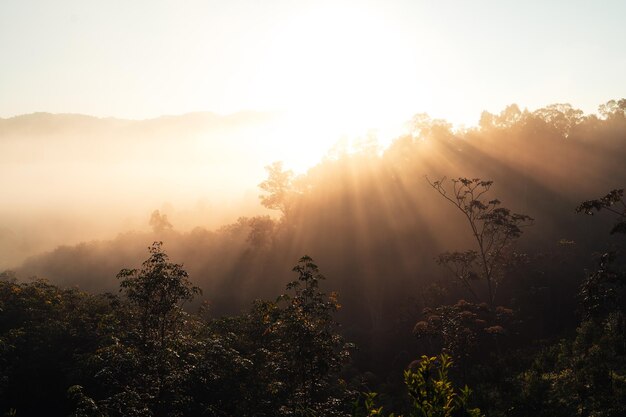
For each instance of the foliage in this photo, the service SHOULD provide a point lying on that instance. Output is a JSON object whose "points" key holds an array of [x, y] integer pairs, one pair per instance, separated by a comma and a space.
{"points": [[614, 203], [279, 358], [156, 294], [45, 333], [159, 222], [582, 377], [282, 358], [494, 229], [280, 189], [604, 290], [586, 376], [561, 117], [431, 392], [613, 109], [144, 367], [258, 230], [261, 229], [313, 350], [294, 352], [463, 327]]}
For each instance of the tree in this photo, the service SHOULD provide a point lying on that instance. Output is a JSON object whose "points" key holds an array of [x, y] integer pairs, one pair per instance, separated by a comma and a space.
{"points": [[586, 376], [144, 367], [287, 356], [604, 290], [261, 230], [422, 126], [494, 229], [507, 118], [44, 332], [159, 222], [312, 352], [462, 327], [613, 109], [614, 203], [157, 293], [562, 117], [279, 185]]}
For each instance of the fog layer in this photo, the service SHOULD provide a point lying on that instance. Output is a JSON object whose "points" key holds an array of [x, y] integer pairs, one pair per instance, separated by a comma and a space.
{"points": [[69, 178], [374, 224]]}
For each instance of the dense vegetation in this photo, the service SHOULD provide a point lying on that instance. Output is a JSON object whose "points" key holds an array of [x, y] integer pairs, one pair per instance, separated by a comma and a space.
{"points": [[529, 312]]}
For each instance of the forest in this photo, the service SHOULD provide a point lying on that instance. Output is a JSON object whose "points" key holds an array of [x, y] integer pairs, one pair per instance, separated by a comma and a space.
{"points": [[457, 272]]}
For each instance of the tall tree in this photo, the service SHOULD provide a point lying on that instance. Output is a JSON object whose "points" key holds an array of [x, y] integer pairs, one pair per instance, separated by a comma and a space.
{"points": [[494, 229], [144, 368], [157, 292]]}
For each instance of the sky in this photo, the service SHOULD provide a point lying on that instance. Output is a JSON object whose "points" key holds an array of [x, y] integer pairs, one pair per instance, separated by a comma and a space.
{"points": [[350, 64]]}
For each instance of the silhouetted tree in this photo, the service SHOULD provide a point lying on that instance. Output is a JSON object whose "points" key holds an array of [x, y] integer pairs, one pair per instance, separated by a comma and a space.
{"points": [[463, 327], [159, 222], [614, 203], [279, 186], [45, 332], [613, 109], [261, 229], [145, 366], [561, 117], [281, 358], [586, 375], [494, 229], [314, 350]]}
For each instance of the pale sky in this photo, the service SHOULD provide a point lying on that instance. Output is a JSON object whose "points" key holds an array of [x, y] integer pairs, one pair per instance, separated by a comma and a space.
{"points": [[354, 62]]}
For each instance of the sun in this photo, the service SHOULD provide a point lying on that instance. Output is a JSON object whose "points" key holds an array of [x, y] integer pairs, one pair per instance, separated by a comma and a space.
{"points": [[336, 72]]}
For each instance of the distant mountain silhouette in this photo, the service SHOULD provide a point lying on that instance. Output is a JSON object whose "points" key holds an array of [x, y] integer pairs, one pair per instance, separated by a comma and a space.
{"points": [[42, 123]]}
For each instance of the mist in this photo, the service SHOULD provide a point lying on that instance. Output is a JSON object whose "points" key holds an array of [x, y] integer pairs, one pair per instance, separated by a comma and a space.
{"points": [[367, 214], [69, 178]]}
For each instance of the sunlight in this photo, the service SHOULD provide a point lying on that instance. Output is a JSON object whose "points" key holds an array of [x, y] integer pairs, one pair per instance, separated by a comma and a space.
{"points": [[339, 81], [302, 141]]}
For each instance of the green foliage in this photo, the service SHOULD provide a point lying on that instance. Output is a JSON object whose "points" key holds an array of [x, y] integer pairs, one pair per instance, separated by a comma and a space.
{"points": [[156, 294], [144, 367], [45, 333], [314, 351], [293, 352], [431, 392], [583, 377], [261, 229], [281, 358]]}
